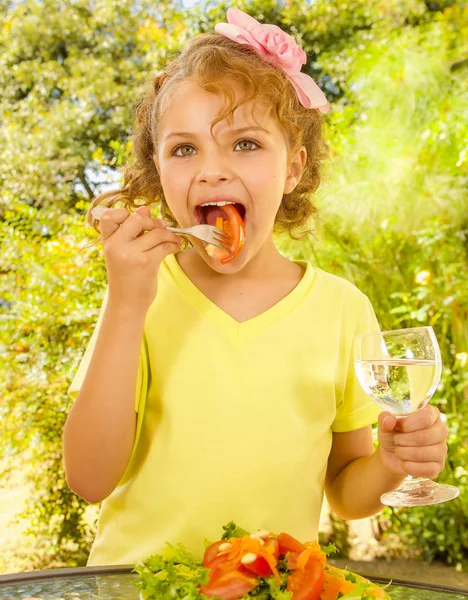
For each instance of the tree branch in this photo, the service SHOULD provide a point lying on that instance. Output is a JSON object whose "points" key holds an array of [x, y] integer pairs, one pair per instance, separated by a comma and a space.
{"points": [[86, 185]]}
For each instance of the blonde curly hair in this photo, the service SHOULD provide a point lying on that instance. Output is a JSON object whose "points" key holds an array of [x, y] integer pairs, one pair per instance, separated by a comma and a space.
{"points": [[217, 63]]}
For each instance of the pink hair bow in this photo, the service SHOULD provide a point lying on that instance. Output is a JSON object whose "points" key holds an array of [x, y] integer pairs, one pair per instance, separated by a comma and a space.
{"points": [[278, 48]]}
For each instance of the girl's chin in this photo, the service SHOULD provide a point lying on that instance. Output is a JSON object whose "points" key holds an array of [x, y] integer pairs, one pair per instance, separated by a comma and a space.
{"points": [[232, 266], [214, 260]]}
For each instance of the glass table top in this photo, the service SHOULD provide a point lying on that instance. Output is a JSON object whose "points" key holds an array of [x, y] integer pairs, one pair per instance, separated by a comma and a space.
{"points": [[119, 583]]}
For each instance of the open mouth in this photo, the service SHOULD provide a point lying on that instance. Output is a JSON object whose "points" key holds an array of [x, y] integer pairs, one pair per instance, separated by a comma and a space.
{"points": [[228, 216], [209, 213]]}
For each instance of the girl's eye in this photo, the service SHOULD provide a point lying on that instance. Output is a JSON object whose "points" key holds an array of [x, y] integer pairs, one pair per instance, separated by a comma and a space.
{"points": [[184, 150], [247, 145]]}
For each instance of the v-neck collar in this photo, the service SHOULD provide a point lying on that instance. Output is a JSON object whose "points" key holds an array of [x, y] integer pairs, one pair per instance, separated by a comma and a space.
{"points": [[223, 320]]}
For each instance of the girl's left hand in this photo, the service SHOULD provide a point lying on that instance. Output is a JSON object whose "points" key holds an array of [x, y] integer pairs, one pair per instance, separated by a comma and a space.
{"points": [[414, 445]]}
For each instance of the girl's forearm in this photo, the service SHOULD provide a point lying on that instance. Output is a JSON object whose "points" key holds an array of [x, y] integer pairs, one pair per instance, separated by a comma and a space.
{"points": [[355, 492], [100, 430]]}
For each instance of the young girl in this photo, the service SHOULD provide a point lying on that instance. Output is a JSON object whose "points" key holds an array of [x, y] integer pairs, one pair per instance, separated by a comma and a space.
{"points": [[219, 385]]}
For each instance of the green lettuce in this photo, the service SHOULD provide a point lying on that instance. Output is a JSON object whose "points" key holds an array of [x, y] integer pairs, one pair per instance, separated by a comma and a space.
{"points": [[174, 574], [232, 530]]}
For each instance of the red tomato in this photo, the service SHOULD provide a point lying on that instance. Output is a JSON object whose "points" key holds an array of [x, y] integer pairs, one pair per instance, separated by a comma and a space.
{"points": [[260, 567], [289, 544], [307, 584], [211, 553], [229, 586], [234, 228]]}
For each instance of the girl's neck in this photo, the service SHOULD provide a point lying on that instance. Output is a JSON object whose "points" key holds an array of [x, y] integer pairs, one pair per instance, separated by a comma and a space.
{"points": [[268, 265], [265, 281]]}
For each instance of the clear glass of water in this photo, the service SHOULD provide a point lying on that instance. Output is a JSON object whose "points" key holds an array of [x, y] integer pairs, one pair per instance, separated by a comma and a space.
{"points": [[400, 370]]}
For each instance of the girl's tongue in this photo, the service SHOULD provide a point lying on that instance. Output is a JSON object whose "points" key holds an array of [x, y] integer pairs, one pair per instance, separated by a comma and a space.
{"points": [[214, 212]]}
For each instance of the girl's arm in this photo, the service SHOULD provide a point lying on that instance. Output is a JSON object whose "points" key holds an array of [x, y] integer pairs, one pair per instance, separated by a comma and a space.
{"points": [[358, 475], [100, 430]]}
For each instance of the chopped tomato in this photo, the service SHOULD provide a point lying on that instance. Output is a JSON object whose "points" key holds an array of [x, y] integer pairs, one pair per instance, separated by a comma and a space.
{"points": [[233, 573], [298, 560], [229, 586], [312, 550], [233, 227], [289, 544], [261, 566], [307, 583], [240, 547], [211, 553]]}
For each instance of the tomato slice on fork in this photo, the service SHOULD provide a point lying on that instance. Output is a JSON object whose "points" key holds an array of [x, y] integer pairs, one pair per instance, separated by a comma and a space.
{"points": [[233, 226]]}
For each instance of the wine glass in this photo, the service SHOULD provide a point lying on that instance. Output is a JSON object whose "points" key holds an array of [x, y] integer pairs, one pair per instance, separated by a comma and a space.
{"points": [[400, 370]]}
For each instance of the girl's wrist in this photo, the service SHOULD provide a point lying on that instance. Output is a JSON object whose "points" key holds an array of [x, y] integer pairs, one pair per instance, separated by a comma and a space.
{"points": [[123, 312], [389, 467]]}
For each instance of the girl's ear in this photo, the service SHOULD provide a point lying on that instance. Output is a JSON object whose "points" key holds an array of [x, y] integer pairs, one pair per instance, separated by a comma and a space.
{"points": [[296, 168]]}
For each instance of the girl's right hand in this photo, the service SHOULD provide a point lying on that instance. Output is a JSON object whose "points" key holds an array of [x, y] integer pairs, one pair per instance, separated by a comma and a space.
{"points": [[134, 246]]}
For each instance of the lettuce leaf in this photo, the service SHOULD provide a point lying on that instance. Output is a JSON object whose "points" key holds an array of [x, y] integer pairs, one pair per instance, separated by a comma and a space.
{"points": [[330, 549], [174, 574], [270, 589], [363, 588], [232, 530], [360, 592]]}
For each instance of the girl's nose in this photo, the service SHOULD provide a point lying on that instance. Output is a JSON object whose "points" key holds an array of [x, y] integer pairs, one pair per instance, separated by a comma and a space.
{"points": [[214, 169]]}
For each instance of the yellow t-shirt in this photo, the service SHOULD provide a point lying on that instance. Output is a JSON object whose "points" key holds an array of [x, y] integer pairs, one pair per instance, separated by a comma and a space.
{"points": [[235, 420]]}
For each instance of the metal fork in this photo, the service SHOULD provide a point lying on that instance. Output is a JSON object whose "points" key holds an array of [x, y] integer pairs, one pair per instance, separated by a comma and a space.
{"points": [[205, 233]]}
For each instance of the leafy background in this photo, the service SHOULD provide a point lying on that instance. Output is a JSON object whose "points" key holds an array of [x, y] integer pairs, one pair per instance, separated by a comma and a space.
{"points": [[394, 213]]}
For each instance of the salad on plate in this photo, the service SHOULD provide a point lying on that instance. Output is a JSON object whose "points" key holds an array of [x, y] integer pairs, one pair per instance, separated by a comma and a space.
{"points": [[256, 566]]}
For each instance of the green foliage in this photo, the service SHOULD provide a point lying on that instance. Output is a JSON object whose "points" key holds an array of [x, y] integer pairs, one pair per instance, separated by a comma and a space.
{"points": [[394, 207], [395, 221], [48, 324], [338, 538]]}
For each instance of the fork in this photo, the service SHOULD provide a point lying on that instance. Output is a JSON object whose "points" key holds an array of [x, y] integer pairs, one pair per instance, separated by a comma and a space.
{"points": [[203, 232]]}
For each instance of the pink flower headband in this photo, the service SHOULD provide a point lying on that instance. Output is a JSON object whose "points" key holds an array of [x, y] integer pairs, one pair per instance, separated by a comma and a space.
{"points": [[278, 48]]}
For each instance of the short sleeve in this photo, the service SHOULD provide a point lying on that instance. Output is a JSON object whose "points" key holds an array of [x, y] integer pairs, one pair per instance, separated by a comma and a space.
{"points": [[142, 375], [356, 409]]}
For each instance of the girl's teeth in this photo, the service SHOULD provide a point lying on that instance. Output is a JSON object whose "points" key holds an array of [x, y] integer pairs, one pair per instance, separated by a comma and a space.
{"points": [[217, 203]]}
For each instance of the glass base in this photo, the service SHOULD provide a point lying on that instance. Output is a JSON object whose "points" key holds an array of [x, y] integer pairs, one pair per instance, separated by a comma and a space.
{"points": [[419, 491]]}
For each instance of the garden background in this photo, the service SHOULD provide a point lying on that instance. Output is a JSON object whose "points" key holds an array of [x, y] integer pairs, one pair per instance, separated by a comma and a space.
{"points": [[393, 219]]}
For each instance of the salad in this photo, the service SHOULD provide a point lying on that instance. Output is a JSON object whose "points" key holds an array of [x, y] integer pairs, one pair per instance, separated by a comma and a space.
{"points": [[257, 566]]}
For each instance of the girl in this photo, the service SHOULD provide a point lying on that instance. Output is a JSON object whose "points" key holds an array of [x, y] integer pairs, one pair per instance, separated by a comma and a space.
{"points": [[219, 385]]}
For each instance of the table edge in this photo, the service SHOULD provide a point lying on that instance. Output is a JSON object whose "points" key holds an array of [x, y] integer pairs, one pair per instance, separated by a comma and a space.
{"points": [[123, 569]]}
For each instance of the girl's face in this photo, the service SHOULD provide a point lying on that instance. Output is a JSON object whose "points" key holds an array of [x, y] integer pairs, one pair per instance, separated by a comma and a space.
{"points": [[239, 162]]}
